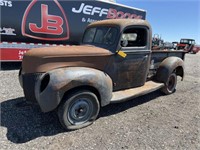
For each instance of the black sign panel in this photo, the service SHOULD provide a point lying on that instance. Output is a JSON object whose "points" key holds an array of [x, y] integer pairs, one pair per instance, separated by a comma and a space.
{"points": [[59, 22]]}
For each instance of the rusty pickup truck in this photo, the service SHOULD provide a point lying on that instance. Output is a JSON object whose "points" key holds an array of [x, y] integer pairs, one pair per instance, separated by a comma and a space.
{"points": [[113, 64]]}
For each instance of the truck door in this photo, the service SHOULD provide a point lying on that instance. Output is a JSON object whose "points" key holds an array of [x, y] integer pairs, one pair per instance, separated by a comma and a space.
{"points": [[131, 64]]}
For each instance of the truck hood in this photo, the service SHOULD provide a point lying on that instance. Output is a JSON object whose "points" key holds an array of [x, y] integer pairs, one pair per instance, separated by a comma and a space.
{"points": [[49, 58]]}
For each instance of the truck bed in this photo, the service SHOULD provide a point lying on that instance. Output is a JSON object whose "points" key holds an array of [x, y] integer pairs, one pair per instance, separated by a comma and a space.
{"points": [[162, 54], [158, 56]]}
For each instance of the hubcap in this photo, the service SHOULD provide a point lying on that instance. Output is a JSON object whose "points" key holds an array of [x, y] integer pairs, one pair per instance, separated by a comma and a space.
{"points": [[80, 111]]}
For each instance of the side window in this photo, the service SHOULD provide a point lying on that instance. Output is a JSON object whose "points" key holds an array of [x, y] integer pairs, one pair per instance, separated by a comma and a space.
{"points": [[134, 37], [89, 35]]}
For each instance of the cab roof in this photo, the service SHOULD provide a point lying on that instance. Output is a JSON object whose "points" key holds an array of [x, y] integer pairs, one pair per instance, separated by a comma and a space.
{"points": [[122, 23], [188, 39]]}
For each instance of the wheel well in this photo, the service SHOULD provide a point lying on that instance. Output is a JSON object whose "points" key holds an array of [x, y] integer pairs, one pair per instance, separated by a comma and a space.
{"points": [[179, 71], [90, 88]]}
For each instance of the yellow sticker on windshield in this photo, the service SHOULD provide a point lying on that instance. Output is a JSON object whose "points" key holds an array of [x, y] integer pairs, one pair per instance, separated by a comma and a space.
{"points": [[122, 54]]}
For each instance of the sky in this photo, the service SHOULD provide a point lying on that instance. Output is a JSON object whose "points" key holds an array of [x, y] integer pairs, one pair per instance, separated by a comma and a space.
{"points": [[172, 19]]}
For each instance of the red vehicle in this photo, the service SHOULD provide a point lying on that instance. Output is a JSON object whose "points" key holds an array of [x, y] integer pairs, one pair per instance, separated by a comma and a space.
{"points": [[188, 45], [196, 49]]}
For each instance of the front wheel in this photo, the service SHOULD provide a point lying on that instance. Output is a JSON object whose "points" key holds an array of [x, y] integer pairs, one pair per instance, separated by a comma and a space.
{"points": [[78, 110], [170, 85]]}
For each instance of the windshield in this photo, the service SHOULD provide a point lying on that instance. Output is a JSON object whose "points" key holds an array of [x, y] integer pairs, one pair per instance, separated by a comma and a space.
{"points": [[100, 35]]}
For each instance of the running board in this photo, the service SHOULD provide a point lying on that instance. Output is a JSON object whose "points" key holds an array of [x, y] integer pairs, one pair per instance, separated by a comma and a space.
{"points": [[128, 94]]}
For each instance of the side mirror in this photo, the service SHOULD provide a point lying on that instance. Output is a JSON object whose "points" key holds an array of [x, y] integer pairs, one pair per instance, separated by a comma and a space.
{"points": [[124, 43]]}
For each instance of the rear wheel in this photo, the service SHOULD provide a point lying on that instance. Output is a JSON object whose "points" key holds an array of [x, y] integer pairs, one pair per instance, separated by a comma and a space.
{"points": [[78, 110], [170, 85]]}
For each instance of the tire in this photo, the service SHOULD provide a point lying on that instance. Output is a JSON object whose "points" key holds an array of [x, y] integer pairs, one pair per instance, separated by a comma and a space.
{"points": [[78, 110], [193, 52], [170, 85]]}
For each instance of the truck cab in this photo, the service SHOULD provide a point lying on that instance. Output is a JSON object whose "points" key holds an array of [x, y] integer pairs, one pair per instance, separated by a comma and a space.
{"points": [[114, 63], [128, 38]]}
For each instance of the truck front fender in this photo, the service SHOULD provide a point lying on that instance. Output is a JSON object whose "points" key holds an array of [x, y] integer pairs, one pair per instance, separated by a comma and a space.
{"points": [[52, 86], [168, 66]]}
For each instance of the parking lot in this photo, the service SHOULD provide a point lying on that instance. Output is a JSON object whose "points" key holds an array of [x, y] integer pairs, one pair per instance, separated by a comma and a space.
{"points": [[153, 121]]}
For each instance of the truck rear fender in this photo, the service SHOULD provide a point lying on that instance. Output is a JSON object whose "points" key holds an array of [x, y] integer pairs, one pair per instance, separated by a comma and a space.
{"points": [[53, 86], [169, 65]]}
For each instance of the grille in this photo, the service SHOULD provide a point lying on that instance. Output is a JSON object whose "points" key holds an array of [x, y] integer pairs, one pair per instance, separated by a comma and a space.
{"points": [[29, 81]]}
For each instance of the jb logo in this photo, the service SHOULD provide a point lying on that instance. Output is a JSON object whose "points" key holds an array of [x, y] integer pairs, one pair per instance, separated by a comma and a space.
{"points": [[45, 20], [50, 24]]}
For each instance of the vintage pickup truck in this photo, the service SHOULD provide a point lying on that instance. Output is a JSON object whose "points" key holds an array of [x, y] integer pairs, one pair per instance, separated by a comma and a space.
{"points": [[114, 63]]}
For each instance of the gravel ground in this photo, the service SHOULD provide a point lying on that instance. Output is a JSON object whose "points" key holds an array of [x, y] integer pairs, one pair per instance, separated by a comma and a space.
{"points": [[153, 121]]}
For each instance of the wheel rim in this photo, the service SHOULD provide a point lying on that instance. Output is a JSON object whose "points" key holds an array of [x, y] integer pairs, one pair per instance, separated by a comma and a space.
{"points": [[171, 83], [80, 111]]}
